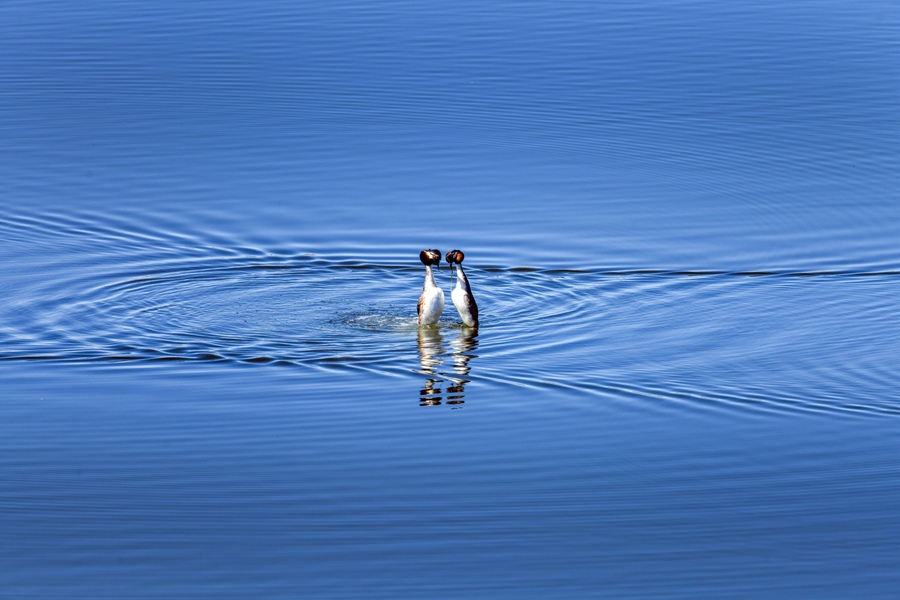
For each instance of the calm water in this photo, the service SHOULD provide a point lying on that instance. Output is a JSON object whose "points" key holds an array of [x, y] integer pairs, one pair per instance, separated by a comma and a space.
{"points": [[680, 223]]}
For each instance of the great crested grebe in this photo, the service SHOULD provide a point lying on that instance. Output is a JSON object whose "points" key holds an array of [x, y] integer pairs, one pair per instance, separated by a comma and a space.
{"points": [[431, 302], [462, 296]]}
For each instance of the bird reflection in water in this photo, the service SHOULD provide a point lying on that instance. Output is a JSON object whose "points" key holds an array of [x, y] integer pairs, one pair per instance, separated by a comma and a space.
{"points": [[446, 382]]}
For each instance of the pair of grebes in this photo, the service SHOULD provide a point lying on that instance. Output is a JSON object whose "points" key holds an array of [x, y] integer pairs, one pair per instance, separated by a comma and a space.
{"points": [[431, 302]]}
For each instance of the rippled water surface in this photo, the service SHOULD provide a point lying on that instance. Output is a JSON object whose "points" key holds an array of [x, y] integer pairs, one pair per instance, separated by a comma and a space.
{"points": [[680, 223]]}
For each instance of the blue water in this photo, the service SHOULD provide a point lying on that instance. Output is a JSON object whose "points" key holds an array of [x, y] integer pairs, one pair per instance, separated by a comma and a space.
{"points": [[680, 223]]}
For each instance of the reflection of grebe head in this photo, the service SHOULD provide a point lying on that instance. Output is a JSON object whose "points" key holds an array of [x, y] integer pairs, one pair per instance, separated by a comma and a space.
{"points": [[455, 256], [430, 257]]}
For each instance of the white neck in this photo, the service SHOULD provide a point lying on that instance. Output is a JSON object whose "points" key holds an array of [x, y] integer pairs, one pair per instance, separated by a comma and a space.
{"points": [[429, 277], [461, 281]]}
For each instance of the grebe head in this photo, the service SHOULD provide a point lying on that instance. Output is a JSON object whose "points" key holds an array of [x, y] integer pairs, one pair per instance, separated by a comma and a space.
{"points": [[430, 257], [455, 256]]}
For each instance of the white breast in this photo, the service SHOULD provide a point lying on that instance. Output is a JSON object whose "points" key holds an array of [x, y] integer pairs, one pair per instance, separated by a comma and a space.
{"points": [[431, 305], [463, 305]]}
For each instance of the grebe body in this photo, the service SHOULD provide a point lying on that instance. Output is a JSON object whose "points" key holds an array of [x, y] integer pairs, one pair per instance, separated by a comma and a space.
{"points": [[431, 302], [462, 296]]}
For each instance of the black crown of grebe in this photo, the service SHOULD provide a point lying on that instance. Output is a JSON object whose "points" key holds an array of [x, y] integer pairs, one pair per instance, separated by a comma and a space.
{"points": [[462, 296], [431, 302]]}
